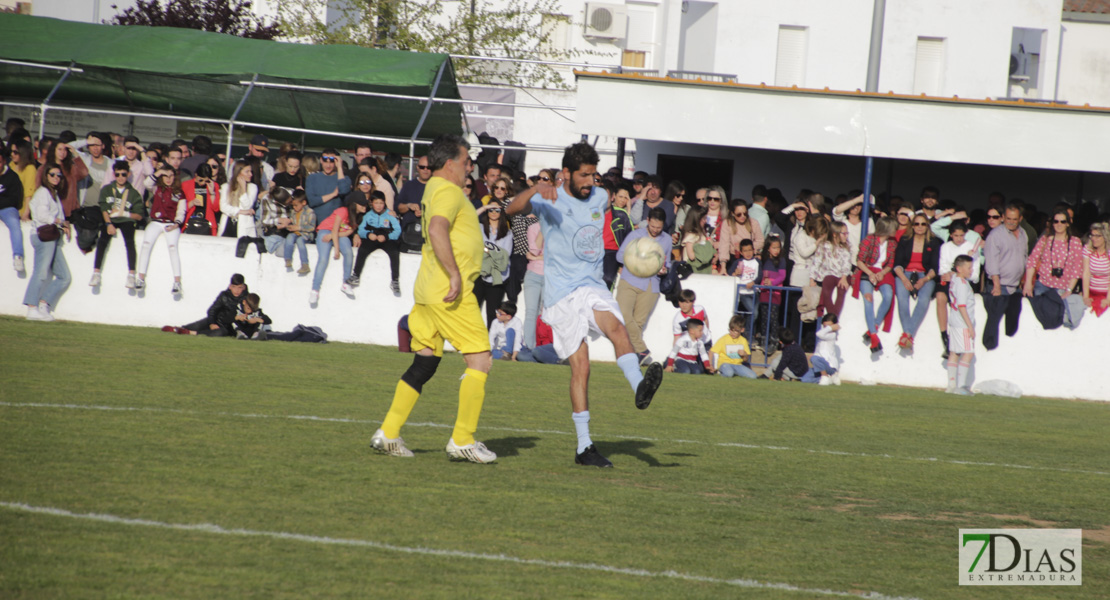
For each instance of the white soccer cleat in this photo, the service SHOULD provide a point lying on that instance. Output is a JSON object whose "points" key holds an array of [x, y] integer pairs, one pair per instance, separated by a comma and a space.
{"points": [[475, 453], [394, 447]]}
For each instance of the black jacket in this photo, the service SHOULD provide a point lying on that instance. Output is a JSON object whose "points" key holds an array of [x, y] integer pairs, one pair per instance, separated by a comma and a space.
{"points": [[11, 190], [930, 253], [223, 310]]}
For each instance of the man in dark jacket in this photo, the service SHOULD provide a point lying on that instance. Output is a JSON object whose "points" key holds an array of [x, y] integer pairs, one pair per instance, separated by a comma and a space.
{"points": [[220, 320]]}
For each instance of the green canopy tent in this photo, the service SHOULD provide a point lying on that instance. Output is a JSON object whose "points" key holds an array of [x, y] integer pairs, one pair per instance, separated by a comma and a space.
{"points": [[326, 93]]}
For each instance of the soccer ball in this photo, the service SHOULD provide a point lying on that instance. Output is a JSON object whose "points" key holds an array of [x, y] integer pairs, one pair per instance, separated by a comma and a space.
{"points": [[644, 257]]}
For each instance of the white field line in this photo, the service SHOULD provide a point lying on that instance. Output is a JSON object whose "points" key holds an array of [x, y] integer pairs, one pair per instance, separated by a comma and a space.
{"points": [[970, 463], [437, 552]]}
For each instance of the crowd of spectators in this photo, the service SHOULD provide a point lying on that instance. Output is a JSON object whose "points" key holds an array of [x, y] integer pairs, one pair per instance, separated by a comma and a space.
{"points": [[794, 260]]}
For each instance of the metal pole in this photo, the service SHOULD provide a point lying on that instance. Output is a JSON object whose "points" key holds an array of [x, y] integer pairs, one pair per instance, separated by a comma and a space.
{"points": [[875, 56], [45, 103], [866, 214], [1059, 57], [412, 160], [231, 121], [428, 104], [620, 155]]}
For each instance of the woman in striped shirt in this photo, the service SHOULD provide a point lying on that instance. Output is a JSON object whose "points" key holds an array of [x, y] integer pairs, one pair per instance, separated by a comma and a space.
{"points": [[1096, 269]]}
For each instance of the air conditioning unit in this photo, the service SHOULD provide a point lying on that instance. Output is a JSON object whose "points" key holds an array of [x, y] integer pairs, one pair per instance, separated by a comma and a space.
{"points": [[608, 21], [1019, 65]]}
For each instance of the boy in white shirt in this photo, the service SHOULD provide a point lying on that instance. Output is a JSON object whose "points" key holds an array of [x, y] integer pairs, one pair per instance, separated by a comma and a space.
{"points": [[688, 354], [826, 362], [961, 326], [687, 310], [506, 333]]}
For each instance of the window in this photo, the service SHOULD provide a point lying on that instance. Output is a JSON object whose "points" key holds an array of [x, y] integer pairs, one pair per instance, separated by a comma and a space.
{"points": [[928, 72], [641, 33], [790, 62], [634, 59], [1025, 63]]}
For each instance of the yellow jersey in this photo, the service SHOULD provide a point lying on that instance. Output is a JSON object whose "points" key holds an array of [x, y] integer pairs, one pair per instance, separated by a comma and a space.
{"points": [[445, 199]]}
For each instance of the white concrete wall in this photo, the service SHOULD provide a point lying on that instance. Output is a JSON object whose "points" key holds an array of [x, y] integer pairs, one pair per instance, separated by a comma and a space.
{"points": [[983, 133], [1058, 363], [1085, 68]]}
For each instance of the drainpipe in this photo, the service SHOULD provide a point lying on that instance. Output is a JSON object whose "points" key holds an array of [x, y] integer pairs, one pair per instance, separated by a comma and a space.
{"points": [[874, 57]]}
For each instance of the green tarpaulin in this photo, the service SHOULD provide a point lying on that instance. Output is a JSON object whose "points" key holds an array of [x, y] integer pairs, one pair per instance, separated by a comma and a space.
{"points": [[198, 74]]}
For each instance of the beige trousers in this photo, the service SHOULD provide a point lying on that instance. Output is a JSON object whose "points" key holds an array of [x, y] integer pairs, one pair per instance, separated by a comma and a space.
{"points": [[636, 307]]}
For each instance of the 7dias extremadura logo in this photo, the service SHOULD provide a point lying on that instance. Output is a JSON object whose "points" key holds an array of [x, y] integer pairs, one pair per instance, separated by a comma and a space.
{"points": [[1021, 557]]}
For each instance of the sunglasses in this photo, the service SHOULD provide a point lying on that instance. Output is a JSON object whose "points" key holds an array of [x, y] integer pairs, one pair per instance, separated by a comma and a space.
{"points": [[740, 214], [501, 187], [920, 224], [548, 179], [994, 217], [494, 210], [364, 182], [53, 174], [328, 159], [1060, 222], [468, 186], [422, 167], [202, 180], [638, 182], [122, 174]]}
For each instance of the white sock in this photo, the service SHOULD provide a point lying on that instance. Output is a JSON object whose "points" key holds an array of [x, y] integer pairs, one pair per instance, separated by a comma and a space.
{"points": [[961, 377], [952, 373], [582, 428]]}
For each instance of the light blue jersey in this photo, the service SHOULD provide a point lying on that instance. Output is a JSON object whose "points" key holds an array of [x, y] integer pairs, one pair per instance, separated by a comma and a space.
{"points": [[573, 248]]}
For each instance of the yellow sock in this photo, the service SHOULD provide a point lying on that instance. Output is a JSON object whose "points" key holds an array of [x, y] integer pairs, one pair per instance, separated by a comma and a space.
{"points": [[472, 392], [403, 400]]}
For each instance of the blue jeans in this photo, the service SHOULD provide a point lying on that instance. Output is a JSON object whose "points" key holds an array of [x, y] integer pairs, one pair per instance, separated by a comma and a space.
{"points": [[533, 294], [49, 261], [544, 354], [323, 250], [731, 370], [296, 241], [911, 322], [690, 367], [507, 349], [10, 217], [275, 243], [870, 315], [820, 365]]}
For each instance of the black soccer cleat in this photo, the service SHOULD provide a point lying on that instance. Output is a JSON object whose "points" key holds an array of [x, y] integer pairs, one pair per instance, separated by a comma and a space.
{"points": [[590, 457], [653, 377]]}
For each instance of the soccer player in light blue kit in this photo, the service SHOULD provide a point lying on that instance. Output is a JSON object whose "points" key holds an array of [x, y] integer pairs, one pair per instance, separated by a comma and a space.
{"points": [[576, 301]]}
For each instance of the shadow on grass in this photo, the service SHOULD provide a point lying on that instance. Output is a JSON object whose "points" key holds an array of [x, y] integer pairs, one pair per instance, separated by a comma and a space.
{"points": [[635, 449], [511, 446]]}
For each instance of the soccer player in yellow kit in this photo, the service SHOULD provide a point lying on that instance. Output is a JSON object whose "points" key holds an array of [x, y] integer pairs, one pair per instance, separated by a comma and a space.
{"points": [[446, 308]]}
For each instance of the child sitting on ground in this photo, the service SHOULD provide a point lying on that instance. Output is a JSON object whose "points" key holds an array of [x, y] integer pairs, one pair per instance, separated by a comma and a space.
{"points": [[732, 351], [688, 354], [250, 321], [826, 362], [961, 326], [791, 364], [544, 352], [687, 310], [220, 318], [506, 333]]}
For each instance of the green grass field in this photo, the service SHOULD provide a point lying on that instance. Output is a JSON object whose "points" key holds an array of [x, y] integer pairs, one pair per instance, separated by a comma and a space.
{"points": [[137, 464]]}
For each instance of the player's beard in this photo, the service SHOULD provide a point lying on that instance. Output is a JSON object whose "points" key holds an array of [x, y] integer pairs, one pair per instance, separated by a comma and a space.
{"points": [[583, 192]]}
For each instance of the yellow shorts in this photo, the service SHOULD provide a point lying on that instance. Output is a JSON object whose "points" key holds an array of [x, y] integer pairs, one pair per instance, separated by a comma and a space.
{"points": [[459, 323]]}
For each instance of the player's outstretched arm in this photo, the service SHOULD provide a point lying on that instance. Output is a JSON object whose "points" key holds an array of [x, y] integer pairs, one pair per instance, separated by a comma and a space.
{"points": [[522, 203], [439, 233]]}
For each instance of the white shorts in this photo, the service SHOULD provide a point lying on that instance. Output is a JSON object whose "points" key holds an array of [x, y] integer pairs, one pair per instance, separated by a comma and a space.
{"points": [[572, 318], [961, 340]]}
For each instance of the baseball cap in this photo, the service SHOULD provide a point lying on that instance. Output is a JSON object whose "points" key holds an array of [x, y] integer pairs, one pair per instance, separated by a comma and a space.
{"points": [[259, 140]]}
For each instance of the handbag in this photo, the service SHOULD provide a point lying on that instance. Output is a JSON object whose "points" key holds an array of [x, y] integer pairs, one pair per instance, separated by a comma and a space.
{"points": [[198, 225], [49, 233]]}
